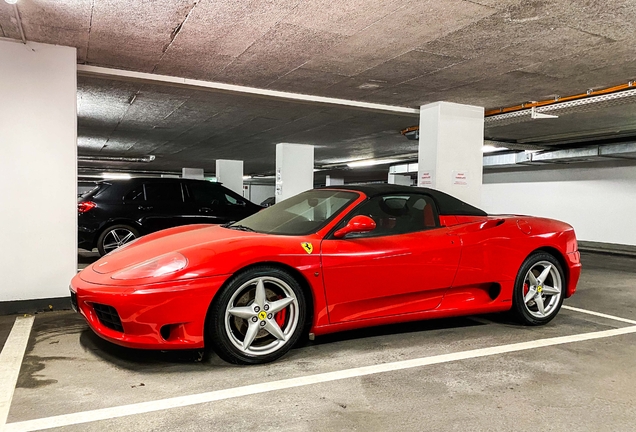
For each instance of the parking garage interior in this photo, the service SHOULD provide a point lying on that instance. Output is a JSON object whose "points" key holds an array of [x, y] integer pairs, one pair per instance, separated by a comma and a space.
{"points": [[515, 107]]}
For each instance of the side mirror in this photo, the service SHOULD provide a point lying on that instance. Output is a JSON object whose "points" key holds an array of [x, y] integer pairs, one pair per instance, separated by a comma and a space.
{"points": [[357, 224]]}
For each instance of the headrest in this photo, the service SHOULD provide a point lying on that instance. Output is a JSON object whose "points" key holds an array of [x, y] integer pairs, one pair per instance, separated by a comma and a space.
{"points": [[394, 206]]}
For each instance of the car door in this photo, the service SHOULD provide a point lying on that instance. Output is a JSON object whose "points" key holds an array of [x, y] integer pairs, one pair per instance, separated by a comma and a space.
{"points": [[405, 265], [164, 205]]}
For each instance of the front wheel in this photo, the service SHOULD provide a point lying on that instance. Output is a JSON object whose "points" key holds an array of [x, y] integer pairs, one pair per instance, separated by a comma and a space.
{"points": [[114, 237], [538, 292], [257, 317]]}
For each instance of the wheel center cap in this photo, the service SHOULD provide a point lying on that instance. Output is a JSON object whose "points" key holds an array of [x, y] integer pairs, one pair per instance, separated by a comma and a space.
{"points": [[262, 315], [539, 289]]}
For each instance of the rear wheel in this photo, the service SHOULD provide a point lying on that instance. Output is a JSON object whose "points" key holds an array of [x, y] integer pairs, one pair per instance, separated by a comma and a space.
{"points": [[538, 292], [115, 236], [257, 317]]}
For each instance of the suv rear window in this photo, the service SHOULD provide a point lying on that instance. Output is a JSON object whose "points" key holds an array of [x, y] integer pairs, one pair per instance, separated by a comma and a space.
{"points": [[99, 188], [164, 192]]}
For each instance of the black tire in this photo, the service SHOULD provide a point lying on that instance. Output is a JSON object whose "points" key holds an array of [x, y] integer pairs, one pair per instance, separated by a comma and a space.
{"points": [[525, 312], [226, 330], [103, 239]]}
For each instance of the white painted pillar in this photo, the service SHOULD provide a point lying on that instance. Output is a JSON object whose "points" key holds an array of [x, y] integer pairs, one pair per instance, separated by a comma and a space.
{"points": [[230, 173], [399, 179], [294, 169], [193, 173], [38, 170], [450, 149], [334, 181]]}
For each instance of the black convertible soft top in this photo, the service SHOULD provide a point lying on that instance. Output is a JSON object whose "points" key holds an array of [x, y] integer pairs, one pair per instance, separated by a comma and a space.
{"points": [[446, 204]]}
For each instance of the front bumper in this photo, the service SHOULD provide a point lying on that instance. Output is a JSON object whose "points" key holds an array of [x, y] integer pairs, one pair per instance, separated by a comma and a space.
{"points": [[156, 316], [574, 272]]}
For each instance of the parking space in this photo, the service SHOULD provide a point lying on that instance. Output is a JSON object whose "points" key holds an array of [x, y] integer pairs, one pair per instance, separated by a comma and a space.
{"points": [[569, 385], [6, 322], [351, 162]]}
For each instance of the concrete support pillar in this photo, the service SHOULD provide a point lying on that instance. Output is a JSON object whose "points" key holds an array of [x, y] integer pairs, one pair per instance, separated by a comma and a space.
{"points": [[399, 179], [38, 174], [450, 149], [230, 173], [294, 169], [333, 181], [192, 173]]}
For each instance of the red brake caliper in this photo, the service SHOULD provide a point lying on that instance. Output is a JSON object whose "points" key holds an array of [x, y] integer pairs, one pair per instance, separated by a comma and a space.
{"points": [[526, 288], [281, 316]]}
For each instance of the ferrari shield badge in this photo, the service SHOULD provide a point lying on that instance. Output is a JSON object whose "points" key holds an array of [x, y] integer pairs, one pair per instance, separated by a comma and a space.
{"points": [[309, 248]]}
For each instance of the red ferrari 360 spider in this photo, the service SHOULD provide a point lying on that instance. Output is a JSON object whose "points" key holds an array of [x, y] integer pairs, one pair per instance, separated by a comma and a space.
{"points": [[323, 261]]}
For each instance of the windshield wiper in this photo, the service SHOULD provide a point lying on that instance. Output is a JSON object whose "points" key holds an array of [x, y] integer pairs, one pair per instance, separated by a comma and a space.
{"points": [[239, 227]]}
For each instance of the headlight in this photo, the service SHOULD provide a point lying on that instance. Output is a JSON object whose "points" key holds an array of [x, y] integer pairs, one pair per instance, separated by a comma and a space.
{"points": [[161, 266]]}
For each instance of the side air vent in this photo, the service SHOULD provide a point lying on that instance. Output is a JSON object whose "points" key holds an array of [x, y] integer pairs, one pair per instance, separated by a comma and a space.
{"points": [[494, 291]]}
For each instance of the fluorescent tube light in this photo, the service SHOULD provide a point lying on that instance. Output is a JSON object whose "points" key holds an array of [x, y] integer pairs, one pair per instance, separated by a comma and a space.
{"points": [[492, 149], [116, 176], [371, 162]]}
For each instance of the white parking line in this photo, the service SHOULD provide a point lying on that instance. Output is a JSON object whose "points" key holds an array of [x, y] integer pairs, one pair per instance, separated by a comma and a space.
{"points": [[183, 401], [598, 314], [11, 361]]}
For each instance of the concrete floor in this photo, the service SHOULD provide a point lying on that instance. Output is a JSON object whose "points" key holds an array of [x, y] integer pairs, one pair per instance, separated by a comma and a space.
{"points": [[579, 386], [86, 258]]}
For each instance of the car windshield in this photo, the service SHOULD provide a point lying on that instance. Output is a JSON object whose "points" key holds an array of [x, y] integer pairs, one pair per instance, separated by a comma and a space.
{"points": [[302, 214]]}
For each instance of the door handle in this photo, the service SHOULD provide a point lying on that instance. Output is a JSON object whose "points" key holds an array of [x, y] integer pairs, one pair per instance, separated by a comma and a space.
{"points": [[144, 208], [205, 210]]}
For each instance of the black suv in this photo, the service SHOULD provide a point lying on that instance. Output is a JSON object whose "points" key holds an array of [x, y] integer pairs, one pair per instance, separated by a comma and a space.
{"points": [[116, 212]]}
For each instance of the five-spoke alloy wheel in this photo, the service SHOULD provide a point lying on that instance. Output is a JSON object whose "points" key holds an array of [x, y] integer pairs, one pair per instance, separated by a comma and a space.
{"points": [[257, 317], [539, 289], [114, 237]]}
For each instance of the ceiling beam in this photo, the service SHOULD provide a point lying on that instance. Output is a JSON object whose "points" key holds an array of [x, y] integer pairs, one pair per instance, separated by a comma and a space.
{"points": [[125, 75]]}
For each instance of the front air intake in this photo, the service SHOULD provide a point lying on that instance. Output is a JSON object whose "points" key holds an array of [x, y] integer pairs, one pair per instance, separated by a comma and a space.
{"points": [[108, 317]]}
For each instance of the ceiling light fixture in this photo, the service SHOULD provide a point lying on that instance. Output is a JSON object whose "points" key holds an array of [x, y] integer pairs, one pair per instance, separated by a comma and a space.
{"points": [[144, 159], [369, 86], [371, 162], [11, 1], [492, 149], [116, 176]]}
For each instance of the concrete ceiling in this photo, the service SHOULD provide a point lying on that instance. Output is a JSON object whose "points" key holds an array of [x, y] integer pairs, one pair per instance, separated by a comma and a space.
{"points": [[190, 128], [490, 53]]}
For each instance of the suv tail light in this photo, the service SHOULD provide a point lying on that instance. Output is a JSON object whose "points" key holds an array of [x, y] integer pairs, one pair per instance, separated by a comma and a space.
{"points": [[85, 206]]}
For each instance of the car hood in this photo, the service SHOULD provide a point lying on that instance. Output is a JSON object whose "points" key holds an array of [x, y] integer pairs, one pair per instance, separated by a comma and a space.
{"points": [[198, 243]]}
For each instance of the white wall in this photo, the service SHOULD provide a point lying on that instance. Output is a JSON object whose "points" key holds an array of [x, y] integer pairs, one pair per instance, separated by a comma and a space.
{"points": [[230, 173], [598, 201], [259, 193], [400, 179], [192, 173], [38, 170], [450, 157], [294, 169]]}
